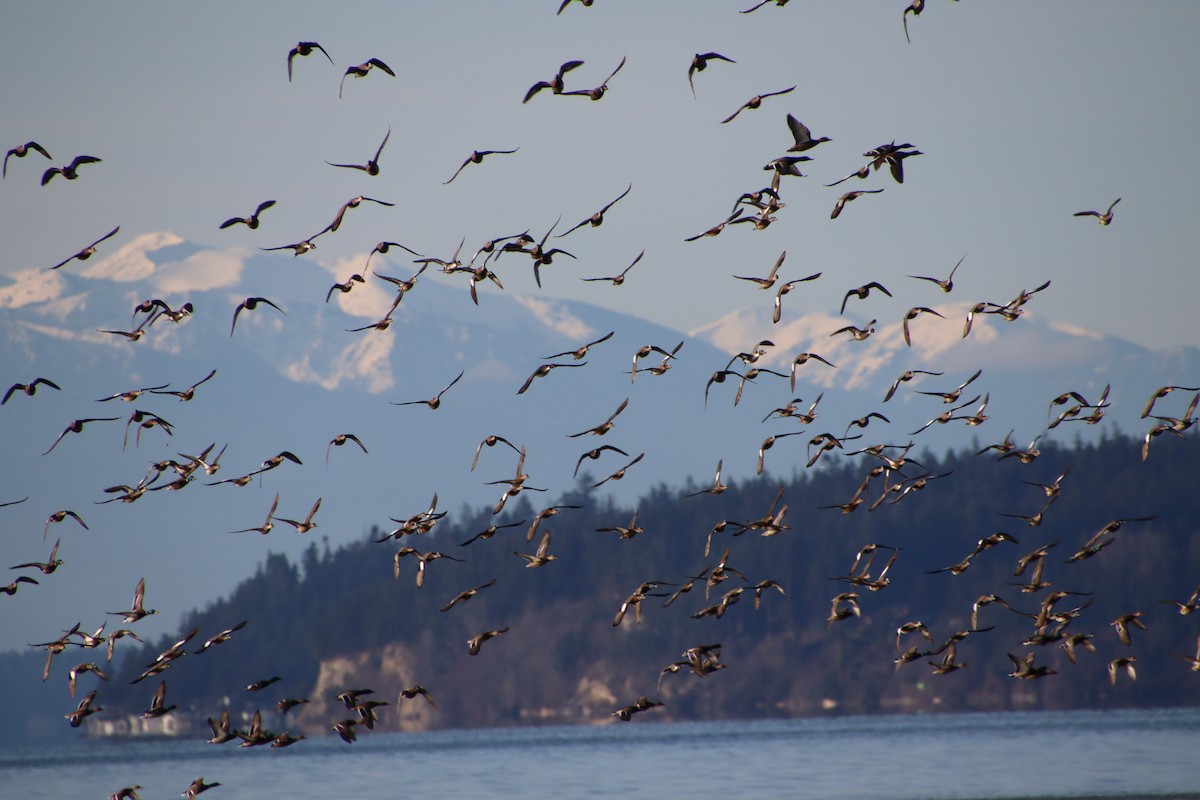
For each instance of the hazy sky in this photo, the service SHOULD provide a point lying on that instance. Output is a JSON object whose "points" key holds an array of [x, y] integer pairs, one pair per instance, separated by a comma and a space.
{"points": [[1026, 112]]}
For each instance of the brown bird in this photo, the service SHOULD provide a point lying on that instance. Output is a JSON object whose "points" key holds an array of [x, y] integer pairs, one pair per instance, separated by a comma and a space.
{"points": [[597, 219], [579, 353], [1154, 398], [700, 63], [467, 594], [619, 474], [266, 527], [70, 171], [598, 92], [353, 202], [491, 531], [714, 230], [251, 221], [1103, 219], [847, 197], [755, 102], [372, 166], [476, 157], [475, 642], [542, 371], [717, 487], [157, 703], [413, 691], [89, 251], [137, 610], [953, 395], [856, 333], [1124, 623], [1117, 664], [769, 281], [603, 427], [197, 787], [565, 3], [362, 70], [304, 49], [51, 564], [767, 444], [915, 8], [861, 293], [491, 441], [249, 304], [904, 378], [436, 400], [945, 284], [186, 394], [627, 531], [76, 426], [307, 524], [11, 589], [540, 557], [912, 314], [20, 151], [555, 84], [221, 638], [30, 389], [84, 710], [803, 136], [642, 704], [344, 287]]}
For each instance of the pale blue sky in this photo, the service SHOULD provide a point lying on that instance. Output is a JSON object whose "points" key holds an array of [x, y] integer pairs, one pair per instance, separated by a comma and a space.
{"points": [[1027, 112]]}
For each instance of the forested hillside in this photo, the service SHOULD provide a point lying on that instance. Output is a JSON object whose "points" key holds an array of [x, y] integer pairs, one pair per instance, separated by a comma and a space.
{"points": [[341, 619]]}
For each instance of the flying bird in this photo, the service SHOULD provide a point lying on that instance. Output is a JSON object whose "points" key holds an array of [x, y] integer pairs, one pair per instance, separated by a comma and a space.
{"points": [[70, 171], [436, 400], [1103, 219], [595, 220], [603, 427], [30, 389], [541, 372], [76, 426], [861, 293], [755, 102], [137, 609], [251, 221], [477, 157], [353, 202], [847, 197], [598, 92], [89, 251], [619, 279], [340, 440], [945, 284], [362, 70], [700, 63], [372, 166], [251, 303], [803, 136], [304, 49], [555, 84], [22, 150], [579, 353]]}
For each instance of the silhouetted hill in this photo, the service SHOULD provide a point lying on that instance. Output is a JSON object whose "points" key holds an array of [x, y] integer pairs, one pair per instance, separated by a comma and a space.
{"points": [[339, 619]]}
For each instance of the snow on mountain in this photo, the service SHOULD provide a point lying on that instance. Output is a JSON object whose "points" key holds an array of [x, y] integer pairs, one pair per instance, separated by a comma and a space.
{"points": [[294, 380]]}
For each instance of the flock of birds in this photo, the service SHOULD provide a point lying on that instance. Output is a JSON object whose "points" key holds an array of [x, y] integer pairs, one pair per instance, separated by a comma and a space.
{"points": [[892, 476]]}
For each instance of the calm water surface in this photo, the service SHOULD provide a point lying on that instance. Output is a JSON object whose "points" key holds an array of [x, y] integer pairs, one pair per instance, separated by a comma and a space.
{"points": [[1009, 755]]}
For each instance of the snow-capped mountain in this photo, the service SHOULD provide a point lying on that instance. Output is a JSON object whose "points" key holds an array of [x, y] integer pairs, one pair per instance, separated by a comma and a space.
{"points": [[292, 379]]}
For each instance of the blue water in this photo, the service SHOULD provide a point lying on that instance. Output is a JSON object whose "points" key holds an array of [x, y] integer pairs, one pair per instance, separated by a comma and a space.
{"points": [[1005, 755]]}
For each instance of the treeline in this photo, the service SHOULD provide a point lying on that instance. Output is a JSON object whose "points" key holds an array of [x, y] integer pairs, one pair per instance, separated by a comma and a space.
{"points": [[563, 660]]}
